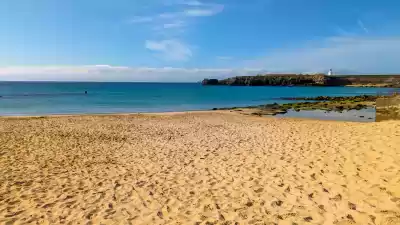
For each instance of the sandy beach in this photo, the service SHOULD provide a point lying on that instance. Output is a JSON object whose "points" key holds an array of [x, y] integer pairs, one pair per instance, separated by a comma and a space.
{"points": [[198, 168]]}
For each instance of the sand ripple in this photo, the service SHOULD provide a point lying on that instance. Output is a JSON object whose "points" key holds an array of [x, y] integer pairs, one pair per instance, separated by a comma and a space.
{"points": [[198, 168]]}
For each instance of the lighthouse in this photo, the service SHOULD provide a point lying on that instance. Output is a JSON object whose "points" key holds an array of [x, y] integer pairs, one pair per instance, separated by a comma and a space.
{"points": [[330, 73]]}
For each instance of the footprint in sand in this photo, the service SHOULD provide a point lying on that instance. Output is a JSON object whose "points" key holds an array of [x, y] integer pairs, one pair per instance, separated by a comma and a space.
{"points": [[276, 203], [390, 221], [352, 206], [337, 197], [346, 222]]}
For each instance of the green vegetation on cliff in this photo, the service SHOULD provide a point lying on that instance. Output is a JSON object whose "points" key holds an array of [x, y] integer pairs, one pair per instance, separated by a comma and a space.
{"points": [[309, 80]]}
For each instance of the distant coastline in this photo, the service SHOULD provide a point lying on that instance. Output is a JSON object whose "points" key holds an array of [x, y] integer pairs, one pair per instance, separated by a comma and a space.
{"points": [[391, 81]]}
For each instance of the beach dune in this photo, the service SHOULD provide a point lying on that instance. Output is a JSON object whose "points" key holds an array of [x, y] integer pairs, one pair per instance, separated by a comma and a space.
{"points": [[198, 168]]}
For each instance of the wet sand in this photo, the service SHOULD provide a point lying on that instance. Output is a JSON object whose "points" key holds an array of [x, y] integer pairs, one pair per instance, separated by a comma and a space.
{"points": [[198, 168]]}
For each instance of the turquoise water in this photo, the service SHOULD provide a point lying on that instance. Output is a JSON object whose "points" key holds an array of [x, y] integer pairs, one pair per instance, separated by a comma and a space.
{"points": [[45, 98]]}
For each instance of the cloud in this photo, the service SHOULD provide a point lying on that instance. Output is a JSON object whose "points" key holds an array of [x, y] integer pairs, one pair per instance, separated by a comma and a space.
{"points": [[172, 50], [184, 2], [193, 8], [206, 11], [361, 24], [343, 54], [117, 73], [168, 15], [200, 10], [171, 25], [191, 2], [347, 54], [174, 24]]}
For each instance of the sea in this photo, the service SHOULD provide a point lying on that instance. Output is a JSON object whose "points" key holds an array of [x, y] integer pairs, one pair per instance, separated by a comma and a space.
{"points": [[54, 98]]}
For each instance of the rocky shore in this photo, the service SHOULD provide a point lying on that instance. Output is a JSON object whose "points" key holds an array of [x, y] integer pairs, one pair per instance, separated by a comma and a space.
{"points": [[359, 98], [388, 108], [326, 103]]}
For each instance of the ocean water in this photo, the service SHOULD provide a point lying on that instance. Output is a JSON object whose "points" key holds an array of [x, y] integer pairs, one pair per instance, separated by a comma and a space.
{"points": [[47, 98]]}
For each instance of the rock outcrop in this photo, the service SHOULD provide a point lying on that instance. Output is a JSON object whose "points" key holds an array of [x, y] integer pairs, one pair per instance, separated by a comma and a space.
{"points": [[308, 80], [276, 80], [325, 103], [210, 82], [359, 98]]}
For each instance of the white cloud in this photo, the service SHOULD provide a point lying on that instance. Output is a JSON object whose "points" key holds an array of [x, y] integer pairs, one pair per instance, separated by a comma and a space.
{"points": [[189, 2], [174, 24], [171, 25], [347, 54], [193, 8], [168, 15], [200, 10], [170, 49], [184, 2], [192, 3], [204, 11], [117, 73]]}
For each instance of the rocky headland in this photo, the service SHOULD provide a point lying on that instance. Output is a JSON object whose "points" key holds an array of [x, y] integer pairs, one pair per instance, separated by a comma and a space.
{"points": [[309, 80]]}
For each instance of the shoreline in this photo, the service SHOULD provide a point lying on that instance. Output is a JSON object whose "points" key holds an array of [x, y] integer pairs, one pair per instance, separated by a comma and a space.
{"points": [[289, 110], [361, 108], [177, 113], [109, 114]]}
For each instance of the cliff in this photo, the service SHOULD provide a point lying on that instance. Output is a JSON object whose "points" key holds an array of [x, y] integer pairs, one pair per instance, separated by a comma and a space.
{"points": [[309, 80]]}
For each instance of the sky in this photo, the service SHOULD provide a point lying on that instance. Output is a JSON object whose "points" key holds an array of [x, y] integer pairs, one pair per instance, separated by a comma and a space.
{"points": [[188, 40]]}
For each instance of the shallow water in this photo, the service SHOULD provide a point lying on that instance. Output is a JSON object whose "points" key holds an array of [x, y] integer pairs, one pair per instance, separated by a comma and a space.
{"points": [[363, 115], [45, 98]]}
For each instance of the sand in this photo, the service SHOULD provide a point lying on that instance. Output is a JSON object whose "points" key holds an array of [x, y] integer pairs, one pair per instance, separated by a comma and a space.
{"points": [[198, 168]]}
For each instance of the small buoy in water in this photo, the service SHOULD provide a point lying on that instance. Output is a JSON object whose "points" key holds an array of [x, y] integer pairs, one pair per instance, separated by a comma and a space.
{"points": [[85, 92]]}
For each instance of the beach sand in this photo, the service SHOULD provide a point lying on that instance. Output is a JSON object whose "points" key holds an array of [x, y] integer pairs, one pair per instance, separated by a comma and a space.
{"points": [[198, 168]]}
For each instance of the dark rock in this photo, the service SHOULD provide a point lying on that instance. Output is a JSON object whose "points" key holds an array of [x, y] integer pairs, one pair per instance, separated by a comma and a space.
{"points": [[340, 107], [210, 82], [337, 98]]}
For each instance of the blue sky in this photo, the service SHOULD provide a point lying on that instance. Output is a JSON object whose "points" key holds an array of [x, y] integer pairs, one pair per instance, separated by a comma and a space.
{"points": [[187, 40]]}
